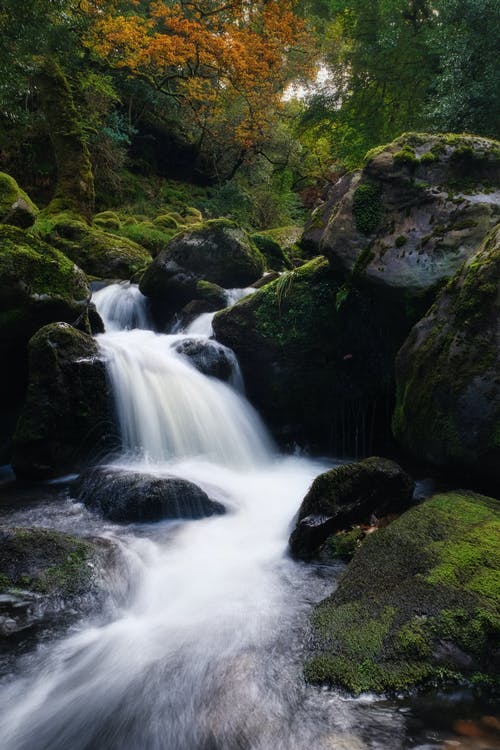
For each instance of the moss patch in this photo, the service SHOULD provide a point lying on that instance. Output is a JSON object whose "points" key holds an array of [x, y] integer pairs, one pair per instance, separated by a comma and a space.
{"points": [[367, 207], [409, 609]]}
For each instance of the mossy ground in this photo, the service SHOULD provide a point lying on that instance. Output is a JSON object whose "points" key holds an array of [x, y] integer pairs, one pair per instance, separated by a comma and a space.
{"points": [[418, 604]]}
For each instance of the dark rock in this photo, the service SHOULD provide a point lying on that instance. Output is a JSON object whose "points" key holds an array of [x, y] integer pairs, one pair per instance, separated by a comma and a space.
{"points": [[276, 257], [348, 495], [67, 419], [266, 279], [217, 251], [418, 604], [448, 387], [46, 574], [317, 359], [208, 357], [126, 496]]}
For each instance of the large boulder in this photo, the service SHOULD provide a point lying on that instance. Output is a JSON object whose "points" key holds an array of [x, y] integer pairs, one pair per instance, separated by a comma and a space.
{"points": [[45, 574], [317, 359], [67, 419], [349, 495], [217, 251], [418, 604], [448, 386], [413, 214], [38, 285], [130, 496], [99, 253], [16, 207]]}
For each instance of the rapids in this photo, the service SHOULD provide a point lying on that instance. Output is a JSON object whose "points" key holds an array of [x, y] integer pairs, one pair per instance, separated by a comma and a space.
{"points": [[205, 650]]}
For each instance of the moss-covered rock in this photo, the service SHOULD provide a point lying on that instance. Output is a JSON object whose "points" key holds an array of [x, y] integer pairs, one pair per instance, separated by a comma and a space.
{"points": [[150, 235], [67, 417], [45, 574], [107, 220], [217, 251], [316, 357], [418, 604], [276, 258], [432, 190], [448, 386], [16, 207], [349, 495], [166, 221], [99, 253]]}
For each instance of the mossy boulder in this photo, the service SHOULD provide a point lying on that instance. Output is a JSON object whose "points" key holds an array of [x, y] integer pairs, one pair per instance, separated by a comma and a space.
{"points": [[46, 573], [448, 386], [317, 359], [349, 495], [420, 207], [99, 253], [107, 220], [418, 604], [276, 258], [150, 235], [166, 221], [67, 419], [209, 357], [16, 207], [130, 496], [217, 251]]}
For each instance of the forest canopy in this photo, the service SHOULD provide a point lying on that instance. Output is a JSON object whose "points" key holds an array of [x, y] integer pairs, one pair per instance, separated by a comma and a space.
{"points": [[197, 91]]}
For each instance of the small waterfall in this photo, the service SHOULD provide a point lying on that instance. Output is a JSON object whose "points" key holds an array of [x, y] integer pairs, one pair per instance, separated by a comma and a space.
{"points": [[168, 410], [122, 307], [201, 326]]}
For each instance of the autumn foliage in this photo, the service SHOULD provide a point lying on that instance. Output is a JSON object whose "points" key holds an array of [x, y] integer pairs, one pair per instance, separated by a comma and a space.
{"points": [[225, 64]]}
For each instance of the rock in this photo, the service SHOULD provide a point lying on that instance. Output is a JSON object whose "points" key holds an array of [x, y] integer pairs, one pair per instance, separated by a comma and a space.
{"points": [[67, 418], [266, 279], [46, 573], [276, 258], [317, 359], [448, 387], [38, 285], [97, 252], [129, 496], [217, 251], [418, 604], [349, 495], [16, 207], [413, 214], [209, 357]]}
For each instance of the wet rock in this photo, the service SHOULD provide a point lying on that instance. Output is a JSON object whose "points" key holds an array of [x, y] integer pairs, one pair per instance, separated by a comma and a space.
{"points": [[128, 496], [208, 357], [46, 574], [349, 495], [448, 390], [418, 604], [217, 251], [67, 419]]}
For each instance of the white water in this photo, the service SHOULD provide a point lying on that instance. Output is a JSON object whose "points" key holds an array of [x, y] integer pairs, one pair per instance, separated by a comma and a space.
{"points": [[205, 655]]}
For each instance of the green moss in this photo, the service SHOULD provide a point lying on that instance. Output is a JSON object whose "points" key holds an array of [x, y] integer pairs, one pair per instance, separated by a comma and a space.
{"points": [[367, 207], [344, 544], [276, 258], [107, 220], [410, 588], [363, 261], [401, 240], [406, 157], [166, 221], [431, 156], [16, 207], [154, 237]]}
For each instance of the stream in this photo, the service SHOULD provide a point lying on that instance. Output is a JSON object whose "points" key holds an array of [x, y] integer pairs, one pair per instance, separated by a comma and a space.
{"points": [[203, 647]]}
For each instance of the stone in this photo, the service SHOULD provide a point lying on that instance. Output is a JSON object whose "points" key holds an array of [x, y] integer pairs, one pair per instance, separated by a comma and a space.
{"points": [[16, 207]]}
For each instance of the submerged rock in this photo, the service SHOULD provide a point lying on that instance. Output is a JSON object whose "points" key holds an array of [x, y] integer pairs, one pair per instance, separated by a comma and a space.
{"points": [[448, 388], [16, 207], [130, 496], [46, 573], [217, 251], [349, 495], [417, 210], [418, 604], [67, 419], [208, 357]]}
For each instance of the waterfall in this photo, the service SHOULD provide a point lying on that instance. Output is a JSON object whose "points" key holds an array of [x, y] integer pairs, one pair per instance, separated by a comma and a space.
{"points": [[122, 307]]}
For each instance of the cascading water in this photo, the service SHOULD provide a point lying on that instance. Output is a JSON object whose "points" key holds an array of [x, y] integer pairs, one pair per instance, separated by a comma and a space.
{"points": [[205, 655]]}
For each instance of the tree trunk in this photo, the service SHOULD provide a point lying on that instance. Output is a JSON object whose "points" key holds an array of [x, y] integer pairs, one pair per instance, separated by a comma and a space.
{"points": [[75, 182]]}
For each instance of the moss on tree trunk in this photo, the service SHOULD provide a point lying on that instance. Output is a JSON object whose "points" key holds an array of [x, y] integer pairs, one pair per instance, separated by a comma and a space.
{"points": [[75, 183]]}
